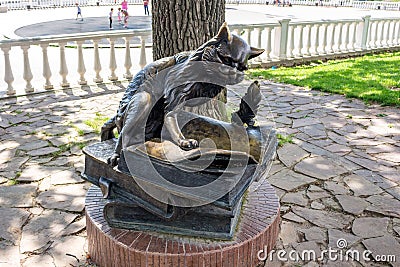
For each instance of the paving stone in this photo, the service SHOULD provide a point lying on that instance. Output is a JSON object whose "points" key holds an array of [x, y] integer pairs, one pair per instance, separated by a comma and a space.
{"points": [[335, 188], [330, 203], [314, 234], [66, 246], [384, 245], [42, 230], [66, 177], [290, 154], [304, 122], [14, 164], [7, 155], [375, 178], [37, 172], [11, 223], [368, 227], [68, 198], [295, 198], [289, 180], [308, 246], [382, 149], [17, 196], [75, 227], [351, 204], [9, 255], [288, 233], [384, 205], [360, 186], [337, 138], [338, 149], [38, 261], [43, 151], [323, 218], [332, 122], [319, 168], [335, 236], [317, 205], [34, 145], [315, 131], [290, 216], [390, 156]]}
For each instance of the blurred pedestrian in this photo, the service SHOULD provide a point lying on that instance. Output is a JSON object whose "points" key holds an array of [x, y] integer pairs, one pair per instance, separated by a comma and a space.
{"points": [[126, 16], [79, 11], [119, 14], [110, 17], [124, 5], [146, 7]]}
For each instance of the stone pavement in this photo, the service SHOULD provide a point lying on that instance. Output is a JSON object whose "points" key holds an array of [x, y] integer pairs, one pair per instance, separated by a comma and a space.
{"points": [[338, 179]]}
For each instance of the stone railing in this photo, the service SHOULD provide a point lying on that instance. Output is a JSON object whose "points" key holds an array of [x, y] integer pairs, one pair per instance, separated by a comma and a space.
{"points": [[338, 3], [71, 51], [285, 42]]}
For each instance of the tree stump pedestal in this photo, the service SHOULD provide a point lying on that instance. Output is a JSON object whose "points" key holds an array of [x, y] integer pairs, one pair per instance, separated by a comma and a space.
{"points": [[257, 230]]}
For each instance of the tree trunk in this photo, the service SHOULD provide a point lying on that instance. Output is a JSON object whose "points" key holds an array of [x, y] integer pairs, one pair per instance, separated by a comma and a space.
{"points": [[183, 25]]}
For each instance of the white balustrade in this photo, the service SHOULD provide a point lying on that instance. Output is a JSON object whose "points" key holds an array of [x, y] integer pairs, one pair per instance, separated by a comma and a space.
{"points": [[283, 41]]}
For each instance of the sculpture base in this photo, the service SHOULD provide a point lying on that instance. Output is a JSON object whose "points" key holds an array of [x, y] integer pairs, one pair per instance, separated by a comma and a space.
{"points": [[258, 229]]}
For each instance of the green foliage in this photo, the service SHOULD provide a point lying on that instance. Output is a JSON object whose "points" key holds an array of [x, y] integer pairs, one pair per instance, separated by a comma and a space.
{"points": [[96, 122], [372, 78], [283, 139]]}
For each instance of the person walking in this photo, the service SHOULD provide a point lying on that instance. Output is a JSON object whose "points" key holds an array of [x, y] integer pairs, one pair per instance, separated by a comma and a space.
{"points": [[110, 17], [124, 5], [146, 7], [119, 14], [79, 12], [126, 16]]}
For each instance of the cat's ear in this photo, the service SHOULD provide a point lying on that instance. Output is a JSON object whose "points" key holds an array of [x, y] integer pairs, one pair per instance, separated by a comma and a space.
{"points": [[255, 52], [224, 33]]}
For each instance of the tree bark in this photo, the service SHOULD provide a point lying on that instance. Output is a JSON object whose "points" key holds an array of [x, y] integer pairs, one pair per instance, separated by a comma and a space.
{"points": [[183, 25]]}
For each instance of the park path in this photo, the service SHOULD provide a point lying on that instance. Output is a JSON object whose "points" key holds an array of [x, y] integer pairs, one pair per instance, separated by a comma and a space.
{"points": [[339, 179]]}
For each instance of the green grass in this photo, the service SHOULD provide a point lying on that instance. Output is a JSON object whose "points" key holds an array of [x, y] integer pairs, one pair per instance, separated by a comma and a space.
{"points": [[372, 78], [97, 122], [283, 139]]}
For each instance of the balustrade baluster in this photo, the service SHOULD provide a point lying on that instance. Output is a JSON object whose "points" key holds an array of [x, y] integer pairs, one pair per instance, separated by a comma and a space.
{"points": [[324, 39], [394, 41], [249, 31], [339, 41], [291, 43], [259, 41], [128, 62], [8, 75], [347, 37], [300, 44], [382, 39], [81, 64], [354, 37], [398, 33], [268, 46], [387, 35], [332, 40], [63, 66], [316, 43], [142, 60], [113, 62], [308, 44], [376, 23], [27, 69], [46, 67], [97, 64]]}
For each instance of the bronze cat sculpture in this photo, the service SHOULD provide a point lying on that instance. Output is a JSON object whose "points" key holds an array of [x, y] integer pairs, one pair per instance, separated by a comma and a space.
{"points": [[153, 107]]}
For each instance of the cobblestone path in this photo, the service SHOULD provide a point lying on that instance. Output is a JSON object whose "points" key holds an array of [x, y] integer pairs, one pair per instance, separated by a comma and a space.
{"points": [[337, 174]]}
